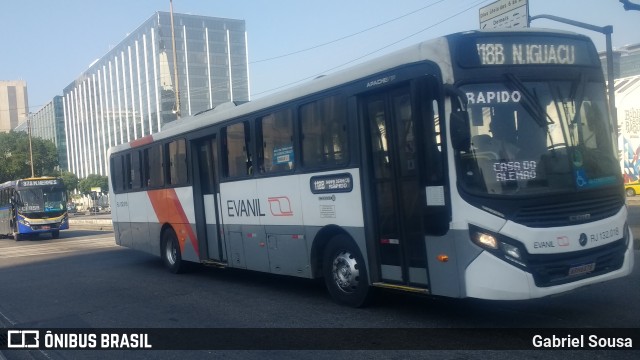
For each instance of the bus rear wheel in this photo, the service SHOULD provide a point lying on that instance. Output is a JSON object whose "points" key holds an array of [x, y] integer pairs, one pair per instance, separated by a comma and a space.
{"points": [[170, 252], [345, 273]]}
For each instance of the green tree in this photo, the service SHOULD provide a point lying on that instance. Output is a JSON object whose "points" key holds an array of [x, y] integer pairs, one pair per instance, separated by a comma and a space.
{"points": [[91, 181], [70, 182], [15, 159]]}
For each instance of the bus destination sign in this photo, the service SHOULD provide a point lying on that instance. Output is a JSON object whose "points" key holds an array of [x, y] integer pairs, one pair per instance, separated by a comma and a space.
{"points": [[527, 51], [41, 182], [331, 183]]}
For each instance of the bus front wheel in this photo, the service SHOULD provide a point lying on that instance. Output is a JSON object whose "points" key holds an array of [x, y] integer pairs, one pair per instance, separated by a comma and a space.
{"points": [[55, 234], [17, 236], [345, 273], [170, 251]]}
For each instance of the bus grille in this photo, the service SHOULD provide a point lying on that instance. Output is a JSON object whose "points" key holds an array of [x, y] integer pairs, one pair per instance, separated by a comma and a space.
{"points": [[569, 213], [553, 269]]}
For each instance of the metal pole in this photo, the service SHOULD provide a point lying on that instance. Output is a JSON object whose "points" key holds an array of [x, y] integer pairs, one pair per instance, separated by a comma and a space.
{"points": [[611, 80], [30, 147], [175, 63], [607, 31]]}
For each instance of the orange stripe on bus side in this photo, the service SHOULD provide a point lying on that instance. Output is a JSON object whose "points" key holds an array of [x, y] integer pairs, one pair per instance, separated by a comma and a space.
{"points": [[169, 210], [142, 141]]}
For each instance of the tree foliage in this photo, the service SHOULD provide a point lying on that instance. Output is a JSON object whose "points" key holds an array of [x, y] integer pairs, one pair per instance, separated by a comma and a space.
{"points": [[93, 180], [70, 181], [15, 161]]}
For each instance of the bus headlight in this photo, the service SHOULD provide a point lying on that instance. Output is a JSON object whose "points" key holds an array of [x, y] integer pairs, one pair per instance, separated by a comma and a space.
{"points": [[510, 250], [485, 240], [499, 245]]}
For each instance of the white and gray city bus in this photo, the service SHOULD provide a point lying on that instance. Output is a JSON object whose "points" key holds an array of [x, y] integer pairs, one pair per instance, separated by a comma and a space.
{"points": [[480, 164]]}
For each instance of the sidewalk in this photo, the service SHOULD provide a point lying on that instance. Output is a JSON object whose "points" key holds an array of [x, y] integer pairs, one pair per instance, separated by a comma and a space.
{"points": [[99, 221]]}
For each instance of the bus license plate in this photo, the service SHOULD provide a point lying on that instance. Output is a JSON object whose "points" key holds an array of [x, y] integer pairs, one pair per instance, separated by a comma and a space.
{"points": [[582, 269], [45, 227]]}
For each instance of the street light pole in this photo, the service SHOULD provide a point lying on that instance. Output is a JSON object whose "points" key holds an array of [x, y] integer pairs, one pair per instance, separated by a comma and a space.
{"points": [[607, 31], [30, 147], [175, 62]]}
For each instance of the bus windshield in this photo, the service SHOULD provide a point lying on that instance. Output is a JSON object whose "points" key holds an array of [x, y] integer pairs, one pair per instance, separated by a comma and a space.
{"points": [[42, 200], [539, 136]]}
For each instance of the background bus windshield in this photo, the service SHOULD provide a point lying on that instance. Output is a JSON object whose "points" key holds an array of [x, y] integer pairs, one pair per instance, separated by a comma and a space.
{"points": [[42, 200], [532, 137]]}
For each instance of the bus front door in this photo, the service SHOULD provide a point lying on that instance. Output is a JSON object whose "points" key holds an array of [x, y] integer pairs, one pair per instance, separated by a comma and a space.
{"points": [[394, 189], [207, 188]]}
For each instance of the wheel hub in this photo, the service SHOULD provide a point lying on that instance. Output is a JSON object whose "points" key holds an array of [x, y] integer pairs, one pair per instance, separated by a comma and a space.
{"points": [[170, 250], [345, 272]]}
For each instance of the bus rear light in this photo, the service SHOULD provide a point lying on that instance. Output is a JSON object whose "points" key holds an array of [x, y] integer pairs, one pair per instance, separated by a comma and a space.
{"points": [[390, 241]]}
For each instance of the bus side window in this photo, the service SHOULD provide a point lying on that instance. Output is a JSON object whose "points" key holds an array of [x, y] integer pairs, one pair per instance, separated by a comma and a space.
{"points": [[236, 143], [136, 175], [324, 132], [154, 166], [275, 139], [118, 175], [128, 184], [177, 162]]}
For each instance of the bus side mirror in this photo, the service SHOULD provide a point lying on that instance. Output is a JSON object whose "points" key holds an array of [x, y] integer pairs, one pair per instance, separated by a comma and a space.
{"points": [[460, 132]]}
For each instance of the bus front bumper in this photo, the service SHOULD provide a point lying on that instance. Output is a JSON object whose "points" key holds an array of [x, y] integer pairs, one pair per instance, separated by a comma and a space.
{"points": [[507, 282]]}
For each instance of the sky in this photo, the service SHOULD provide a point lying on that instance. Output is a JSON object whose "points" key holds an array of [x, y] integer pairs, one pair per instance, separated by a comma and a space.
{"points": [[49, 44]]}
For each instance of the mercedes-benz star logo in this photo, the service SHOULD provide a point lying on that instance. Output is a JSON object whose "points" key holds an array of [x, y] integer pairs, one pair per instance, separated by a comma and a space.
{"points": [[583, 239]]}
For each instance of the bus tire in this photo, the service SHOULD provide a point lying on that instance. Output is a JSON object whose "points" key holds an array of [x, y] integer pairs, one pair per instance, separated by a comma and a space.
{"points": [[55, 234], [17, 236], [345, 273], [170, 252]]}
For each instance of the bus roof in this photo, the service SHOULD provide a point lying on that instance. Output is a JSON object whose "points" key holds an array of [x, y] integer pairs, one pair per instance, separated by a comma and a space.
{"points": [[13, 183], [436, 49]]}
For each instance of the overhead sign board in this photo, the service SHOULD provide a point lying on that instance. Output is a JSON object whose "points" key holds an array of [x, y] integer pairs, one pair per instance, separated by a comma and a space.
{"points": [[505, 14]]}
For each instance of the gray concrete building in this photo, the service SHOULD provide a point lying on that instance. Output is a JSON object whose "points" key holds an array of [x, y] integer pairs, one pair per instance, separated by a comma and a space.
{"points": [[626, 61], [14, 104]]}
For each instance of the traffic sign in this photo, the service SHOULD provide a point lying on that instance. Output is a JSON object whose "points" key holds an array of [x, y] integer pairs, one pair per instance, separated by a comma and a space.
{"points": [[505, 14]]}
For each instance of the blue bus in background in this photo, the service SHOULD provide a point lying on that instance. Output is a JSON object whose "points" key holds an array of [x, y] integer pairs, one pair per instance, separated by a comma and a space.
{"points": [[33, 206]]}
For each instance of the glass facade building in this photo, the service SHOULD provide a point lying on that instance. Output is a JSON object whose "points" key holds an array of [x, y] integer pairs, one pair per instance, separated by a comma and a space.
{"points": [[48, 123], [131, 92]]}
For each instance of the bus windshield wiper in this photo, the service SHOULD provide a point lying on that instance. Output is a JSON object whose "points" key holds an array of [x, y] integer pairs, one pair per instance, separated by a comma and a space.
{"points": [[530, 103], [579, 97]]}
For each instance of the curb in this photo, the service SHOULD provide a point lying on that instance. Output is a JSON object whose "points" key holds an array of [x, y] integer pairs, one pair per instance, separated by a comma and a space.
{"points": [[91, 224]]}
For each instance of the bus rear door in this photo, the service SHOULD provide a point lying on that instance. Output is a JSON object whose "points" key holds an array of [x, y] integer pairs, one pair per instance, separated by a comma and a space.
{"points": [[206, 188]]}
